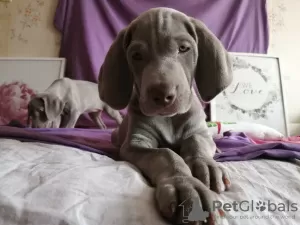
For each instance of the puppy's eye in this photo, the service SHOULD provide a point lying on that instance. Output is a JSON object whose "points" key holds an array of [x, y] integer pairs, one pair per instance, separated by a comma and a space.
{"points": [[137, 56], [183, 48]]}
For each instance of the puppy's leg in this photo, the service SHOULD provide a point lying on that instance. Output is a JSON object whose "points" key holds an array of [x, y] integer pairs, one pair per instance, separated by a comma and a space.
{"points": [[115, 114], [198, 151], [69, 120], [176, 188], [96, 117], [56, 122]]}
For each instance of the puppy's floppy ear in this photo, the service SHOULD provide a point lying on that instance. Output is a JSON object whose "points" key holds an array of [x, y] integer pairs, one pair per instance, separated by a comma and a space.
{"points": [[50, 104], [115, 80], [36, 103], [53, 106], [214, 67]]}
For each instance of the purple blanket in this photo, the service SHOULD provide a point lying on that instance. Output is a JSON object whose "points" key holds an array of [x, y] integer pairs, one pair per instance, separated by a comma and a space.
{"points": [[233, 146], [93, 140]]}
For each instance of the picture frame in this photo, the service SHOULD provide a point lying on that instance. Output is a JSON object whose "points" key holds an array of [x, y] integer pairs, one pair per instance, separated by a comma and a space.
{"points": [[255, 95], [20, 79], [39, 73]]}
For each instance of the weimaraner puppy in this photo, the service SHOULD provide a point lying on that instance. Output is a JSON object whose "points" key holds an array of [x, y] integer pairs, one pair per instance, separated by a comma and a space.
{"points": [[152, 65], [64, 101]]}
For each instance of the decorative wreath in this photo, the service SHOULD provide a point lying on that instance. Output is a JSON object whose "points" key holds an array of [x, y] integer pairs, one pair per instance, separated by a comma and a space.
{"points": [[272, 97]]}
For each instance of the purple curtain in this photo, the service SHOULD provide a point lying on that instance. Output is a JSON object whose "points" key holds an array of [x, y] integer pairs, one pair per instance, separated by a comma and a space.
{"points": [[88, 28]]}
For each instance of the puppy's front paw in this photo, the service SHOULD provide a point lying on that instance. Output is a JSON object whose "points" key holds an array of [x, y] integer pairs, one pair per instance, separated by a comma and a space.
{"points": [[185, 200], [211, 173]]}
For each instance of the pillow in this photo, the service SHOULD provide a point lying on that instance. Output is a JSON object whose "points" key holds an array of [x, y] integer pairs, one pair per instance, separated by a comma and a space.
{"points": [[14, 99], [252, 130]]}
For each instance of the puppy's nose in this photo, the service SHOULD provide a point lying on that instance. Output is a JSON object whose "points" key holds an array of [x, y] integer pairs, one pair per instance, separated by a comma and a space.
{"points": [[162, 95]]}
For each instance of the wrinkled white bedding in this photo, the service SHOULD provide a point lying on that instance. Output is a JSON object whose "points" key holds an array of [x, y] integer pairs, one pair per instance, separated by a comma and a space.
{"points": [[46, 184]]}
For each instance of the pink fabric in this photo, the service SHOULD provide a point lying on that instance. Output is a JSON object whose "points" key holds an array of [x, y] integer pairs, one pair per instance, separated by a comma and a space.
{"points": [[292, 139], [14, 99]]}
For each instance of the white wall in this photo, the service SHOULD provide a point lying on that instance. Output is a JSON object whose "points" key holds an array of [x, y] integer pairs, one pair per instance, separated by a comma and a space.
{"points": [[284, 24]]}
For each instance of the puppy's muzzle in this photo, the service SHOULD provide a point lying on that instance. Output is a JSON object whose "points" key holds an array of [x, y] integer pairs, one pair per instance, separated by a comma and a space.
{"points": [[162, 95]]}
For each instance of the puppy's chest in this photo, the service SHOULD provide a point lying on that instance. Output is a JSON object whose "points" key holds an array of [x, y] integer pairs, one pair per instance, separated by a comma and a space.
{"points": [[172, 133]]}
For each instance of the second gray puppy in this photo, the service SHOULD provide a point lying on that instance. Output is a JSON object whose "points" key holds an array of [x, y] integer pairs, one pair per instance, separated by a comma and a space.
{"points": [[64, 101]]}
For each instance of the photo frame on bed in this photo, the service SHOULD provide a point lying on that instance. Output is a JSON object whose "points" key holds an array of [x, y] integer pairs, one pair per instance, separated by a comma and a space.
{"points": [[256, 93], [20, 79]]}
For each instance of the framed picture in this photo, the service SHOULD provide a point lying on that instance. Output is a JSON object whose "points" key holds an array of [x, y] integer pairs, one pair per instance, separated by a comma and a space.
{"points": [[20, 79], [256, 93]]}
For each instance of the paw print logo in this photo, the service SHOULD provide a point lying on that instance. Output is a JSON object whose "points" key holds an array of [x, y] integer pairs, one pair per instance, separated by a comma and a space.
{"points": [[261, 206]]}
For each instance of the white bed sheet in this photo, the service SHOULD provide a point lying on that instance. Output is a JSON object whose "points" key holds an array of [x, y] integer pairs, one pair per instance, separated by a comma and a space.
{"points": [[46, 184]]}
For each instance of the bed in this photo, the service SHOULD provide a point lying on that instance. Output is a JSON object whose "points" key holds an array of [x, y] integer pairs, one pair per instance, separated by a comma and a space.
{"points": [[73, 176]]}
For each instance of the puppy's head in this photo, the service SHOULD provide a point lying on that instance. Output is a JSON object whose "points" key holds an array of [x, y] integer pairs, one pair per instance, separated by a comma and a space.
{"points": [[44, 110], [160, 53]]}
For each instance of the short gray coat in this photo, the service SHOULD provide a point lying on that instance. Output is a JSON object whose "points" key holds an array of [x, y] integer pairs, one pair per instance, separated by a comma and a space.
{"points": [[150, 67]]}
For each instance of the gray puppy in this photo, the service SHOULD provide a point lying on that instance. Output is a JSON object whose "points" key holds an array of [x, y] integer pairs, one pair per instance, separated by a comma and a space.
{"points": [[64, 101], [152, 64]]}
